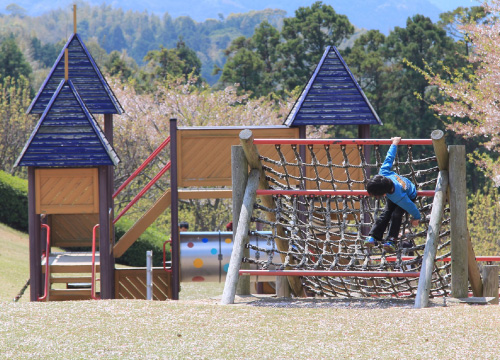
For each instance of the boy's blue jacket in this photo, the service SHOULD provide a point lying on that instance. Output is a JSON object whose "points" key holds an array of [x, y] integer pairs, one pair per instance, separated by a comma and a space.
{"points": [[404, 190]]}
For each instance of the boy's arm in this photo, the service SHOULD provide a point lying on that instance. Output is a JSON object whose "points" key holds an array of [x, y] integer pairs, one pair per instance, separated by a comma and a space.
{"points": [[386, 167], [410, 206]]}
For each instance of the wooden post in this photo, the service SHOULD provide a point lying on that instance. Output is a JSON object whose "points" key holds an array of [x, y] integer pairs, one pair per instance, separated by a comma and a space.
{"points": [[443, 162], [473, 269], [74, 18], [66, 65], [440, 149], [282, 287], [240, 238], [458, 222], [424, 282], [490, 278], [252, 155], [174, 211], [35, 243], [108, 132], [105, 249], [239, 175], [364, 133]]}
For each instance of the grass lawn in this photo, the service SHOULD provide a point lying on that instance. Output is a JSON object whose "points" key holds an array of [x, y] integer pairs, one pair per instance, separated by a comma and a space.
{"points": [[198, 327], [14, 263]]}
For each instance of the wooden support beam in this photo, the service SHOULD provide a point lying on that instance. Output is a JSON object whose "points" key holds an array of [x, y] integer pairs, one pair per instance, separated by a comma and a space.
{"points": [[440, 149], [252, 155], [458, 222], [35, 249], [490, 286], [239, 177], [424, 282], [142, 224], [241, 238], [187, 194], [74, 18], [174, 213], [473, 269]]}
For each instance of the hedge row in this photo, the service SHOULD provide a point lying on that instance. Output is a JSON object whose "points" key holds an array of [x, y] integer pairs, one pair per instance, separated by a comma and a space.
{"points": [[14, 201], [14, 213], [151, 239]]}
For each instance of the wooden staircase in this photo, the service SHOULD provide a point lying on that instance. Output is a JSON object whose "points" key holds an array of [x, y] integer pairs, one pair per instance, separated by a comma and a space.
{"points": [[70, 276]]}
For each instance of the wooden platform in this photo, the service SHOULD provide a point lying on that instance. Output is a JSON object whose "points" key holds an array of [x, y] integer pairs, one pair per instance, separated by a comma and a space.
{"points": [[77, 262]]}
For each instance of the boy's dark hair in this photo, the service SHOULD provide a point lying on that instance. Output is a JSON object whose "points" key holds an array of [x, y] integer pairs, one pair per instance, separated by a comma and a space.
{"points": [[184, 224], [379, 185]]}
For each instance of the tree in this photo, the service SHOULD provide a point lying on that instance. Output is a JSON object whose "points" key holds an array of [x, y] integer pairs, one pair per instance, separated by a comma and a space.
{"points": [[177, 62], [471, 92], [192, 63], [408, 92], [243, 68], [452, 19], [13, 62], [46, 54], [120, 65], [16, 10], [483, 211], [367, 62], [305, 38], [15, 125]]}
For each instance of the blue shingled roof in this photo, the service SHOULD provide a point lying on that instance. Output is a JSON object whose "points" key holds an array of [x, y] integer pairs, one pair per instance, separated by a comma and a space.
{"points": [[67, 135], [86, 76], [332, 97]]}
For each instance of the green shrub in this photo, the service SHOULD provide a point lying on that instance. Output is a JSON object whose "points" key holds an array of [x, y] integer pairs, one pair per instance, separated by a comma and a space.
{"points": [[14, 201], [482, 216], [152, 239]]}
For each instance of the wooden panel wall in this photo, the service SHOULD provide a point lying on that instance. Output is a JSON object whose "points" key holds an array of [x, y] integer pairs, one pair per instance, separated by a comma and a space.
{"points": [[67, 191], [205, 154], [340, 175], [69, 230], [130, 283]]}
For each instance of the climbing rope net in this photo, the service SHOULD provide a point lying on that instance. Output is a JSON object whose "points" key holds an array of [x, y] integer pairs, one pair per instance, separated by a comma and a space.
{"points": [[323, 215]]}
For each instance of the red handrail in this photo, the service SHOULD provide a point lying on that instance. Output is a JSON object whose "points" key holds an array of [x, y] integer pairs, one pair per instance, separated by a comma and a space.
{"points": [[341, 141], [165, 255], [330, 192], [143, 165], [143, 191], [47, 264], [92, 283]]}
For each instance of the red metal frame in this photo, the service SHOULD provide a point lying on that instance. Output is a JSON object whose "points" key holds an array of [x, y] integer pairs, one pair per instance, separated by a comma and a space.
{"points": [[165, 255], [340, 141], [330, 273], [93, 280], [47, 264], [446, 259], [143, 191], [330, 192], [143, 165]]}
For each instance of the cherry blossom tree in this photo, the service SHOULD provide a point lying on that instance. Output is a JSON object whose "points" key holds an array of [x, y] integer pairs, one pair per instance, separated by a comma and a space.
{"points": [[472, 94]]}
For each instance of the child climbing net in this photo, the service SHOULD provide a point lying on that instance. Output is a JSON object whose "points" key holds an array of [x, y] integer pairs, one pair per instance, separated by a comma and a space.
{"points": [[325, 215]]}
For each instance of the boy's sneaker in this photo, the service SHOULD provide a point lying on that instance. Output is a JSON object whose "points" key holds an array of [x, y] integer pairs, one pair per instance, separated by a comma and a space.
{"points": [[389, 245], [370, 242]]}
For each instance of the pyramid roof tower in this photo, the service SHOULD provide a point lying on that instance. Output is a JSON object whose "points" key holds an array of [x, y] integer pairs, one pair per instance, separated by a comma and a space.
{"points": [[332, 97], [67, 135], [86, 78]]}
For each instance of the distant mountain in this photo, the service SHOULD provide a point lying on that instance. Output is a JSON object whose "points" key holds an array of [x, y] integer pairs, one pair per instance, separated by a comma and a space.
{"points": [[383, 15]]}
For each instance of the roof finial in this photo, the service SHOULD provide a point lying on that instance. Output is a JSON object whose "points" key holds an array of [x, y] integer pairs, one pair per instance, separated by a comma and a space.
{"points": [[66, 65], [74, 18]]}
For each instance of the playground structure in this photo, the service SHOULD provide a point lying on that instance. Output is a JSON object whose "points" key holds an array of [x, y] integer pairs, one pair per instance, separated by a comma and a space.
{"points": [[319, 220], [71, 200]]}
